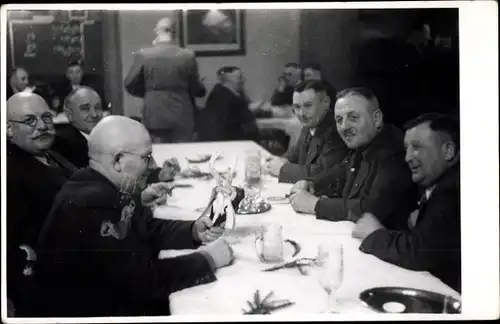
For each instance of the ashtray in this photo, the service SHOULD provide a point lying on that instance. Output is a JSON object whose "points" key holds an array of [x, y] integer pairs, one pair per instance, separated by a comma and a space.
{"points": [[408, 300]]}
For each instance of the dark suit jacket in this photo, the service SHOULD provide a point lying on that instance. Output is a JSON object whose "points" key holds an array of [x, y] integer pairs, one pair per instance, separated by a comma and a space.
{"points": [[31, 188], [71, 144], [381, 184], [92, 272], [434, 243], [281, 98], [226, 117], [312, 156], [166, 76]]}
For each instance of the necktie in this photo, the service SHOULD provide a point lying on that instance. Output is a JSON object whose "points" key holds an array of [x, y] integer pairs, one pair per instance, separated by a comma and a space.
{"points": [[412, 220]]}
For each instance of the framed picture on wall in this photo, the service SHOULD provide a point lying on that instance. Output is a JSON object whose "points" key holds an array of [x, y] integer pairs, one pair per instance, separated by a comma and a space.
{"points": [[214, 32], [78, 14]]}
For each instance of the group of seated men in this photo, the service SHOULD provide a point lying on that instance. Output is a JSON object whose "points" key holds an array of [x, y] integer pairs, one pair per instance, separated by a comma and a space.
{"points": [[82, 240], [402, 189], [53, 91]]}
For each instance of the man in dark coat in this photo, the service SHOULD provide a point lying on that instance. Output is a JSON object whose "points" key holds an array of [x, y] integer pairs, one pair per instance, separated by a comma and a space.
{"points": [[283, 94], [75, 78], [376, 176], [35, 174], [319, 146], [98, 250], [430, 241], [166, 77], [226, 116]]}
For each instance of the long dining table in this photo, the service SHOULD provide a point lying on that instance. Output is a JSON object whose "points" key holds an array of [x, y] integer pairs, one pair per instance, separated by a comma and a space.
{"points": [[237, 283]]}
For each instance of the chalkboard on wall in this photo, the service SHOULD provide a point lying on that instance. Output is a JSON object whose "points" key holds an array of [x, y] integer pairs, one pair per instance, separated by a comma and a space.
{"points": [[46, 48]]}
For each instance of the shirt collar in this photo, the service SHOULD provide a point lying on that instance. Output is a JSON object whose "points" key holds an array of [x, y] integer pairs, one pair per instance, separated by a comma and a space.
{"points": [[84, 135]]}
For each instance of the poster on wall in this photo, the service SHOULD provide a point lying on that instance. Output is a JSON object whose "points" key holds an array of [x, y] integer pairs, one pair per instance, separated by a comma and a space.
{"points": [[214, 32]]}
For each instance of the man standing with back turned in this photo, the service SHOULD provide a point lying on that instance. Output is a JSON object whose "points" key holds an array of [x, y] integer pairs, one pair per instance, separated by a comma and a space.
{"points": [[166, 76]]}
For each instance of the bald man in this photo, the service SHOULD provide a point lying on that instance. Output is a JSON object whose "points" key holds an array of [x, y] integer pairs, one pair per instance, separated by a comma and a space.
{"points": [[19, 81], [99, 247], [35, 174], [166, 77], [83, 108]]}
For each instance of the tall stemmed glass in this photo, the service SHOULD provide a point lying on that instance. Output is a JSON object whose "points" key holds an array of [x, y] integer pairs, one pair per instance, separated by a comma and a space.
{"points": [[329, 271]]}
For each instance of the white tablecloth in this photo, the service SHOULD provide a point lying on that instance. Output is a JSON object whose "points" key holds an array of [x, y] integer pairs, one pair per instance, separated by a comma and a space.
{"points": [[237, 283]]}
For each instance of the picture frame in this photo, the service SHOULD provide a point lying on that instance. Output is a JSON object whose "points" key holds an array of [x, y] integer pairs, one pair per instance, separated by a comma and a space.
{"points": [[78, 15], [213, 32]]}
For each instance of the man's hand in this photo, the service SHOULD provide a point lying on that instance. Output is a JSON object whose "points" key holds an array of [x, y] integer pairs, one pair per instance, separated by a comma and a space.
{"points": [[303, 202], [220, 251], [205, 232], [156, 194], [169, 170], [303, 185], [366, 225], [274, 164]]}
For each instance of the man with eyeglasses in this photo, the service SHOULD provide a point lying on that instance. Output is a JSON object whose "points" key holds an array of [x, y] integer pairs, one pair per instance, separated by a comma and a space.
{"points": [[35, 174], [99, 247], [319, 146]]}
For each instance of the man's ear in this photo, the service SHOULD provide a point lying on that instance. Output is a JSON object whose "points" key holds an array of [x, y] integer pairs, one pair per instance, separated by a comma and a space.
{"points": [[449, 150], [10, 130], [378, 118], [327, 100], [68, 112], [117, 162]]}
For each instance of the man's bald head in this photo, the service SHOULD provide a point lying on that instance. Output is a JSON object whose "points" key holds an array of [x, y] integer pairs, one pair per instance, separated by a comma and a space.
{"points": [[165, 25], [83, 107], [29, 122], [19, 79], [120, 148], [115, 133]]}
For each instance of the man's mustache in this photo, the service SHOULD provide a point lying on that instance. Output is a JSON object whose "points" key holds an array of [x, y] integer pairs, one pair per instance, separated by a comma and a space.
{"points": [[348, 132], [48, 133]]}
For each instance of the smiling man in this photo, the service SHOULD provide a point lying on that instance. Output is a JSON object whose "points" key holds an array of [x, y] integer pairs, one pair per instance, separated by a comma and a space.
{"points": [[431, 239], [377, 178], [35, 174], [319, 146], [83, 107]]}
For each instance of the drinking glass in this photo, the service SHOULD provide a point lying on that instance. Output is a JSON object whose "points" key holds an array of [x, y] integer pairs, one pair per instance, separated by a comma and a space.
{"points": [[269, 243], [329, 270], [253, 170]]}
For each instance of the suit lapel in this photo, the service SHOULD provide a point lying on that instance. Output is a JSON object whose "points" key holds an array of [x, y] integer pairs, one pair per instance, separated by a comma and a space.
{"points": [[359, 180], [313, 149]]}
